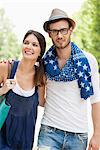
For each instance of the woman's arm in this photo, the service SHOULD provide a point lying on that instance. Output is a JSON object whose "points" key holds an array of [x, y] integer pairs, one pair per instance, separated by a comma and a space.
{"points": [[5, 84], [42, 92]]}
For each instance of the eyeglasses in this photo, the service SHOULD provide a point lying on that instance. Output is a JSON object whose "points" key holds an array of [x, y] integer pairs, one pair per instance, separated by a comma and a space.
{"points": [[55, 32]]}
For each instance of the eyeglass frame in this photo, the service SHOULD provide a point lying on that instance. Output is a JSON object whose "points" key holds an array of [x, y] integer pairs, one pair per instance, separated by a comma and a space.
{"points": [[55, 32]]}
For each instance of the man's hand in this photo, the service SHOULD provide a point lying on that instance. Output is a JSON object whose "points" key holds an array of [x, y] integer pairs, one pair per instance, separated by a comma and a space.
{"points": [[94, 143], [6, 61]]}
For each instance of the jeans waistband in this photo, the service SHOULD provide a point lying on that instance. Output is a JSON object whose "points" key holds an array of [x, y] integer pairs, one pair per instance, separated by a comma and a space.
{"points": [[56, 129]]}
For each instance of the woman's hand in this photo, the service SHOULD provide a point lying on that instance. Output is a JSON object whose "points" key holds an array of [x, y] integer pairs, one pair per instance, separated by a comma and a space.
{"points": [[9, 84]]}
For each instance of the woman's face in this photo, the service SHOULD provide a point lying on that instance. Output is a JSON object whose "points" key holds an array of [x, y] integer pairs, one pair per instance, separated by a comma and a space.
{"points": [[31, 47]]}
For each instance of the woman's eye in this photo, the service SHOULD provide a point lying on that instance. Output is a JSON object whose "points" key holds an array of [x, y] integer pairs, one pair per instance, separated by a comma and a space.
{"points": [[34, 44], [26, 42]]}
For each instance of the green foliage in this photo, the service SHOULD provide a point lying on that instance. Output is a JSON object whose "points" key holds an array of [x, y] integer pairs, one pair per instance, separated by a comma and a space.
{"points": [[9, 47], [87, 33]]}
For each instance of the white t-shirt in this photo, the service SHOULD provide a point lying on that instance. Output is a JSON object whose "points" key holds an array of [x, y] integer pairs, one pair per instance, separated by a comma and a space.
{"points": [[64, 108]]}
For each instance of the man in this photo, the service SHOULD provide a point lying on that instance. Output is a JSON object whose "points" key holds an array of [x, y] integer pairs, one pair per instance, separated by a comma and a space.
{"points": [[72, 78]]}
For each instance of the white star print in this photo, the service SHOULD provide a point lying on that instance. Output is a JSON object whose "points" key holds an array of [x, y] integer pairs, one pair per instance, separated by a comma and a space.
{"points": [[86, 77], [75, 70], [90, 83], [45, 62], [87, 88], [90, 73], [80, 74], [79, 63], [82, 84], [85, 67], [50, 54], [55, 67], [51, 61]]}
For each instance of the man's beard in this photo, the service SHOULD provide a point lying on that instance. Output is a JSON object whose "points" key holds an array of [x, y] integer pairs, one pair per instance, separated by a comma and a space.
{"points": [[61, 47]]}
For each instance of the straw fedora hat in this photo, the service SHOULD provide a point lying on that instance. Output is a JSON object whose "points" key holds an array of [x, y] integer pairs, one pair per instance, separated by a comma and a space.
{"points": [[57, 14]]}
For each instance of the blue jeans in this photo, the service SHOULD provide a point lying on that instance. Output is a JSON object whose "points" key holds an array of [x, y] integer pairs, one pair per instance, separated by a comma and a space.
{"points": [[54, 139]]}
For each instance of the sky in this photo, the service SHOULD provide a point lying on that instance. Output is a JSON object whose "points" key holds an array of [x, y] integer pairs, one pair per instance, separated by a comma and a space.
{"points": [[31, 14]]}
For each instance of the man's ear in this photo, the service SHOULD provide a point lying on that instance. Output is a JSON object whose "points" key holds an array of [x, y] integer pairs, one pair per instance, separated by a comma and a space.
{"points": [[71, 30]]}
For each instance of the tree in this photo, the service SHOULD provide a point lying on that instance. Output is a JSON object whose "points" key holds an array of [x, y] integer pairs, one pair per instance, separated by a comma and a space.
{"points": [[88, 28], [9, 46]]}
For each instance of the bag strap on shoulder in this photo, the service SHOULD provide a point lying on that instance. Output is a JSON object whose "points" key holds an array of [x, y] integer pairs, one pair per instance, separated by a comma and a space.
{"points": [[10, 66]]}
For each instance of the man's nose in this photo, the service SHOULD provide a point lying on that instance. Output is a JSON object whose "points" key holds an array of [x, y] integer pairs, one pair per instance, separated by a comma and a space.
{"points": [[59, 34]]}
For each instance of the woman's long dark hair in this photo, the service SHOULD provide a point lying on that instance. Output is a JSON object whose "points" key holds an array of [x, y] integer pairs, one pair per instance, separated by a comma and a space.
{"points": [[39, 71]]}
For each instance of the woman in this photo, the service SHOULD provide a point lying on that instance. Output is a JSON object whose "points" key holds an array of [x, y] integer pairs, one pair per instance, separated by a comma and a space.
{"points": [[22, 93]]}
